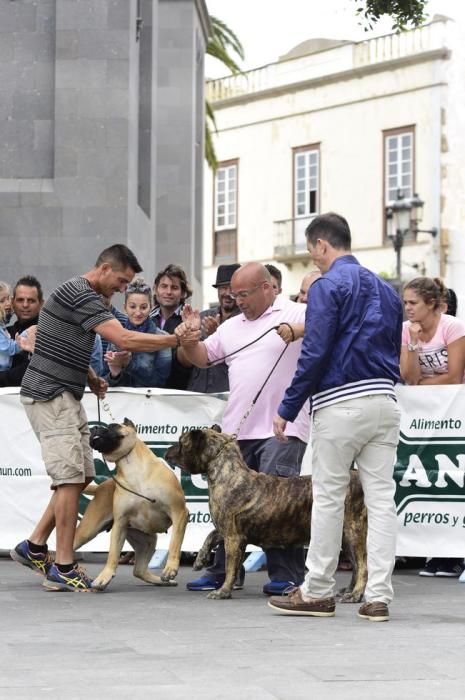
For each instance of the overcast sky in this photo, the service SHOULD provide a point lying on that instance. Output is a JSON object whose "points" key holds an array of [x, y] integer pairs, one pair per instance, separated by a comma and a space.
{"points": [[270, 28]]}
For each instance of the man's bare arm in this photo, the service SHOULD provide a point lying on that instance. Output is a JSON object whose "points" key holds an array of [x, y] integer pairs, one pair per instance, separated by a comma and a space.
{"points": [[134, 341], [193, 355]]}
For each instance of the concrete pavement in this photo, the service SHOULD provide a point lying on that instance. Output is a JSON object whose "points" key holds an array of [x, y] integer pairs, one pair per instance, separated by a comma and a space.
{"points": [[135, 641]]}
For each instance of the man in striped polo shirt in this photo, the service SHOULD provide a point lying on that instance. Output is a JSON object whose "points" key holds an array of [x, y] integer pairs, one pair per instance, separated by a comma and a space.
{"points": [[51, 393], [348, 367]]}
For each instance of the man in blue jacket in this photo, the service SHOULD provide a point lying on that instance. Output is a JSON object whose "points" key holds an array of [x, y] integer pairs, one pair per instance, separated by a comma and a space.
{"points": [[348, 366]]}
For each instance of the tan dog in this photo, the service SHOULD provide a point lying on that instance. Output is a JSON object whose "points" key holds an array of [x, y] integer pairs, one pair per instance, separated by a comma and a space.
{"points": [[134, 518], [269, 511]]}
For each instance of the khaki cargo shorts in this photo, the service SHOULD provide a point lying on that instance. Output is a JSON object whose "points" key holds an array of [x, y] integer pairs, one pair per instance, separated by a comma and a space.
{"points": [[62, 430]]}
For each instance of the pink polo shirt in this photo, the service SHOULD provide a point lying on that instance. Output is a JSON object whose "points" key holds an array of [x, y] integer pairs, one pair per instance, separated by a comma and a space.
{"points": [[249, 368]]}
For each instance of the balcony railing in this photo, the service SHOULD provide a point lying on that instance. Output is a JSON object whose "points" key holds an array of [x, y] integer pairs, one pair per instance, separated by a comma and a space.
{"points": [[349, 56], [289, 239]]}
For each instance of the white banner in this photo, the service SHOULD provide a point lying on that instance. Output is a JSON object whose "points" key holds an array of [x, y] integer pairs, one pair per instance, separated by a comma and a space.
{"points": [[161, 416], [429, 471]]}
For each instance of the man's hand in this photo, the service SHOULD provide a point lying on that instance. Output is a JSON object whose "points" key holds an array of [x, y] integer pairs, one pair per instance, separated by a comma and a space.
{"points": [[286, 332], [27, 339], [191, 318], [291, 331], [210, 324], [97, 385], [279, 426], [186, 336]]}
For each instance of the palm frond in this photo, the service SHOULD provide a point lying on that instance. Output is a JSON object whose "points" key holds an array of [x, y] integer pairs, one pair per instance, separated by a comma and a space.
{"points": [[225, 46], [225, 36]]}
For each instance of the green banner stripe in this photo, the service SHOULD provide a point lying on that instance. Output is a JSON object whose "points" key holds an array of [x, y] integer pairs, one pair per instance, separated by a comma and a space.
{"points": [[428, 497]]}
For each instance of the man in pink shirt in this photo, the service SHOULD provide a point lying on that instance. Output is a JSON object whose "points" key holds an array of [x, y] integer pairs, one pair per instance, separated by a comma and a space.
{"points": [[248, 369]]}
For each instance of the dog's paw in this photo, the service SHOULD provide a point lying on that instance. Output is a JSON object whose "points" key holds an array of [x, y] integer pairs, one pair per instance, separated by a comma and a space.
{"points": [[168, 574], [154, 580], [102, 581], [220, 594]]}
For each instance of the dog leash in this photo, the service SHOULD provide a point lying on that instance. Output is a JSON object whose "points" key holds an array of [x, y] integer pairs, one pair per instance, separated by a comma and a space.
{"points": [[106, 408], [273, 328], [257, 395]]}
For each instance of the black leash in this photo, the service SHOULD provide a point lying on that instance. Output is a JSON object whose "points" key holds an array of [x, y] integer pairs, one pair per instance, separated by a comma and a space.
{"points": [[273, 328], [249, 410], [141, 495]]}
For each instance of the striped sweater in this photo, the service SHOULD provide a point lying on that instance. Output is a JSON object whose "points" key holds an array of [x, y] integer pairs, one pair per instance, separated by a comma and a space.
{"points": [[64, 342]]}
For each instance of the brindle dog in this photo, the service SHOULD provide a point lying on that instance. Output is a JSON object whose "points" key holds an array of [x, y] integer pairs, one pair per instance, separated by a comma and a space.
{"points": [[268, 511]]}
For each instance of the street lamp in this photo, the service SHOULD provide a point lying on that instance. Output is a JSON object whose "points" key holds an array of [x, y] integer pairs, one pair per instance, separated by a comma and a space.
{"points": [[402, 217]]}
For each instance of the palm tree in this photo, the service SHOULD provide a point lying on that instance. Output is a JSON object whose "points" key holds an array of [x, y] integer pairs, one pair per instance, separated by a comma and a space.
{"points": [[223, 45]]}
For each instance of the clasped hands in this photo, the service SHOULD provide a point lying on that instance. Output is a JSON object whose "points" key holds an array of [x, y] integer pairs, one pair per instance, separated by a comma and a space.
{"points": [[188, 332]]}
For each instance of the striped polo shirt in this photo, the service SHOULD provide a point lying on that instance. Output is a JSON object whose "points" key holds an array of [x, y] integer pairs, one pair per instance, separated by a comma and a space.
{"points": [[64, 342]]}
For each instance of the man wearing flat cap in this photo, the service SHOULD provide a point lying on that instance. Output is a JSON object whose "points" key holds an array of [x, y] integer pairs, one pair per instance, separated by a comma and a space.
{"points": [[214, 379]]}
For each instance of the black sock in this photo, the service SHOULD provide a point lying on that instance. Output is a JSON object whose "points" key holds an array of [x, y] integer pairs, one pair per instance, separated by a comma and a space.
{"points": [[37, 548], [64, 568]]}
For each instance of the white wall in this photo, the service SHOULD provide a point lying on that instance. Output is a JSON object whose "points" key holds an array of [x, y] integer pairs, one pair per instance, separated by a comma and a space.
{"points": [[347, 117]]}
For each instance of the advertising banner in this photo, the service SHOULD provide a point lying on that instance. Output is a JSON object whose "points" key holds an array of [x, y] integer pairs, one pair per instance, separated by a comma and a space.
{"points": [[161, 416], [429, 469]]}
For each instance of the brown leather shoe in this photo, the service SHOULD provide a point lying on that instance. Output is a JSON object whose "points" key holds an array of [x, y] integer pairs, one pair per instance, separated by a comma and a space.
{"points": [[375, 612], [294, 604]]}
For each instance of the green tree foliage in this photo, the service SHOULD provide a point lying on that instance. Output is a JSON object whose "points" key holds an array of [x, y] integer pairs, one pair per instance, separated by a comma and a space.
{"points": [[404, 13]]}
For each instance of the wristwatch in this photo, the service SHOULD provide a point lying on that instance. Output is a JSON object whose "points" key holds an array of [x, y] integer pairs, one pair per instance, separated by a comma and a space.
{"points": [[411, 347]]}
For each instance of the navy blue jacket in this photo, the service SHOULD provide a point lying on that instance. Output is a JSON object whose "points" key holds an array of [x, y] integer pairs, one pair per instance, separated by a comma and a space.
{"points": [[352, 340]]}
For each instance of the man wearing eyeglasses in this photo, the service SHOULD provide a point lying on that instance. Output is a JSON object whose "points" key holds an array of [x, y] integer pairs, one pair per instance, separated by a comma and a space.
{"points": [[260, 311]]}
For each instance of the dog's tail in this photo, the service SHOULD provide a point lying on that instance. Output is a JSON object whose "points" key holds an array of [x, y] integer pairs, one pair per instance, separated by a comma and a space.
{"points": [[90, 489]]}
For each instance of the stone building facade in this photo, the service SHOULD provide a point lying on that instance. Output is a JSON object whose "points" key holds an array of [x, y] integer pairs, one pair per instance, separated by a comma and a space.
{"points": [[101, 134]]}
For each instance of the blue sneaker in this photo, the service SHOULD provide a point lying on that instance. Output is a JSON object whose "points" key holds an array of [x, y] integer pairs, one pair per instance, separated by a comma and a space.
{"points": [[278, 587], [210, 582], [39, 563], [75, 580], [205, 583]]}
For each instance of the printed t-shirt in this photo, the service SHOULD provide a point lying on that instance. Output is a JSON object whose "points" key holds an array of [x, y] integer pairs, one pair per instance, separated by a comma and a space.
{"points": [[433, 355]]}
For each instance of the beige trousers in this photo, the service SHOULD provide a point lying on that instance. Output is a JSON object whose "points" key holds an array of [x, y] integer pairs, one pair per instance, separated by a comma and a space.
{"points": [[365, 430]]}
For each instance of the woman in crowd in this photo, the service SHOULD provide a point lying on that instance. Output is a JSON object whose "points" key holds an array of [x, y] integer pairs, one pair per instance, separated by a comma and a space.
{"points": [[139, 369], [8, 346], [433, 352], [6, 310]]}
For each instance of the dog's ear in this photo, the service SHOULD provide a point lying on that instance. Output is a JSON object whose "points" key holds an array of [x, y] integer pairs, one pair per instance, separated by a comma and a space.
{"points": [[216, 428], [129, 424], [198, 440]]}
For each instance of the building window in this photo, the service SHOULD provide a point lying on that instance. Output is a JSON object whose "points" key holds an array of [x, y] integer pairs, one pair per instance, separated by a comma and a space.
{"points": [[306, 191], [398, 158], [225, 213]]}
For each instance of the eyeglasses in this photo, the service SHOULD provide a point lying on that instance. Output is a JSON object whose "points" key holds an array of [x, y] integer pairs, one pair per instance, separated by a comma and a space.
{"points": [[246, 292]]}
